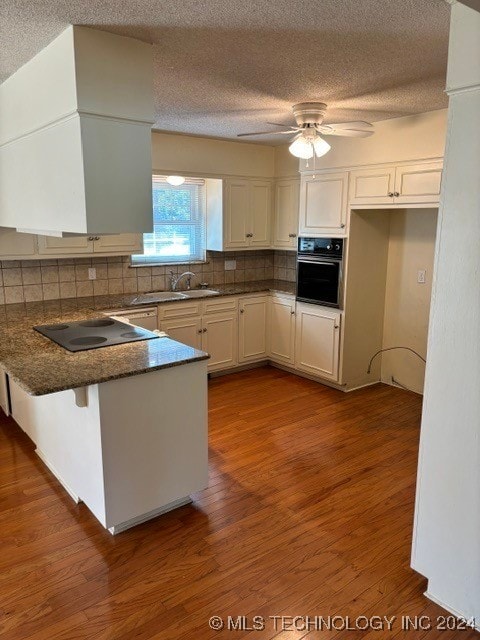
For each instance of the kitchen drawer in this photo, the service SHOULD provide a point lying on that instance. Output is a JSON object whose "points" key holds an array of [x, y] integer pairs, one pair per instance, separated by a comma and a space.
{"points": [[215, 305], [181, 309]]}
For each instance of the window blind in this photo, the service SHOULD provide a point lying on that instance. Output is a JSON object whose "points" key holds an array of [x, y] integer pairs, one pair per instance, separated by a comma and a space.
{"points": [[179, 223]]}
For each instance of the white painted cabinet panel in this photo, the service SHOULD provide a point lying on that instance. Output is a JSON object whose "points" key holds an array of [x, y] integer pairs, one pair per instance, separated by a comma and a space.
{"points": [[51, 245], [253, 329], [372, 186], [281, 329], [418, 183], [186, 330], [219, 339], [285, 220], [121, 243], [247, 213], [237, 202], [260, 213], [323, 204], [317, 341], [16, 245]]}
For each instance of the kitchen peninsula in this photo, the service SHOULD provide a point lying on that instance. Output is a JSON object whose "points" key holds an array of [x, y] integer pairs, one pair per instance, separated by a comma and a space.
{"points": [[112, 423]]}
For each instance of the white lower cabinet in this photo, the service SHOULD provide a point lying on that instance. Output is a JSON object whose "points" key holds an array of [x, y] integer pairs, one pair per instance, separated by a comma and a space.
{"points": [[281, 329], [252, 339], [317, 344], [210, 326]]}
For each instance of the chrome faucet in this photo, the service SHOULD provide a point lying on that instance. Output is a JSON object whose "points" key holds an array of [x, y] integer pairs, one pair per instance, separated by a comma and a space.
{"points": [[174, 280]]}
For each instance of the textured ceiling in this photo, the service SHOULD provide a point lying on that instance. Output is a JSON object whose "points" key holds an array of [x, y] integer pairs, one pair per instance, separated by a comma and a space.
{"points": [[224, 67]]}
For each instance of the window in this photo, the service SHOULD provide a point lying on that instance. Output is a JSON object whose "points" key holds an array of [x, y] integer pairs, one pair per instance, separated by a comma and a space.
{"points": [[178, 223]]}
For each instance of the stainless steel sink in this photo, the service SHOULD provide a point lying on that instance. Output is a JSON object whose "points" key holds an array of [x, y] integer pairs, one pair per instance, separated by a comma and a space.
{"points": [[200, 293], [158, 296]]}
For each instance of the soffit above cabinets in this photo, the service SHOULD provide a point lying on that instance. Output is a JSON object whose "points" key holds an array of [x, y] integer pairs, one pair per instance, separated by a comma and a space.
{"points": [[75, 137]]}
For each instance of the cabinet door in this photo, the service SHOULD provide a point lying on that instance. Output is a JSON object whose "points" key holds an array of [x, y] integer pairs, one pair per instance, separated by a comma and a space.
{"points": [[16, 245], [418, 183], [260, 213], [50, 245], [219, 339], [285, 221], [323, 204], [185, 330], [253, 329], [317, 341], [372, 186], [281, 329], [237, 204], [126, 243]]}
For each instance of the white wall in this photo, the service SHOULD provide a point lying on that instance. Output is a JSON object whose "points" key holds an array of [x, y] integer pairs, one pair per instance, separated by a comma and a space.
{"points": [[447, 518], [396, 140], [198, 156], [407, 303]]}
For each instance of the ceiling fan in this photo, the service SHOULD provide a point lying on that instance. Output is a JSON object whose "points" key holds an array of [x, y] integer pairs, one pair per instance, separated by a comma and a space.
{"points": [[308, 142]]}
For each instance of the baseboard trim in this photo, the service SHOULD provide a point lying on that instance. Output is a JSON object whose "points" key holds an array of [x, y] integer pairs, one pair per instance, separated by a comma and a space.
{"points": [[128, 524], [52, 470], [450, 609]]}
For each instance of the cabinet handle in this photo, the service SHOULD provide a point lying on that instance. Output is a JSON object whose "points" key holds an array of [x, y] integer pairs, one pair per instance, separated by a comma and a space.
{"points": [[390, 194], [90, 238], [292, 235], [342, 226], [336, 326], [249, 235], [396, 194], [292, 313], [242, 310], [205, 331], [199, 331]]}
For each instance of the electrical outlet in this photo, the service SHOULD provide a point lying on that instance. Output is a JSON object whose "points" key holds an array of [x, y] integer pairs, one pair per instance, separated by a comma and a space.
{"points": [[421, 273], [92, 273], [230, 265]]}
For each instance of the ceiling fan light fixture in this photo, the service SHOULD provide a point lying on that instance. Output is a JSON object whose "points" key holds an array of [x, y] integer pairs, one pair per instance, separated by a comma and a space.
{"points": [[175, 181], [302, 147], [321, 146]]}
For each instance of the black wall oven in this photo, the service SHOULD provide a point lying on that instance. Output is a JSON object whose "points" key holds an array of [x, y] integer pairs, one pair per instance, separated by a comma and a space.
{"points": [[319, 271]]}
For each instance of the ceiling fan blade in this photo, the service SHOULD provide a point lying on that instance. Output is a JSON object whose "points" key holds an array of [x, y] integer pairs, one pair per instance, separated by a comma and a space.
{"points": [[281, 124], [359, 124], [347, 133], [263, 133]]}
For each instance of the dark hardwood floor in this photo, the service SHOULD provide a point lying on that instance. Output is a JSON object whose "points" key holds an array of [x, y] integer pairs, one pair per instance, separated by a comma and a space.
{"points": [[308, 512]]}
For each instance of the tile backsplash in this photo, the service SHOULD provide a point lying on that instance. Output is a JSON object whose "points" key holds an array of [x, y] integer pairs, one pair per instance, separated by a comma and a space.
{"points": [[34, 280]]}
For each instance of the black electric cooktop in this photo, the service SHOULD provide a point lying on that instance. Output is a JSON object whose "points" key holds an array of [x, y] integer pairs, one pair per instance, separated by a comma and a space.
{"points": [[93, 334]]}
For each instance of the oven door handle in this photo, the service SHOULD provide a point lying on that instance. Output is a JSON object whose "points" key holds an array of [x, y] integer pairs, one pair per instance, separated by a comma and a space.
{"points": [[330, 263]]}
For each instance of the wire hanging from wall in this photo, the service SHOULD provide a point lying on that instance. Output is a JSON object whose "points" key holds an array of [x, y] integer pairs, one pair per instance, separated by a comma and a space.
{"points": [[369, 369]]}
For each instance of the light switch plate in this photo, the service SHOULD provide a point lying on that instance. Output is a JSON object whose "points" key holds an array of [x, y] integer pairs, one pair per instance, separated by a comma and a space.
{"points": [[92, 273], [230, 265], [421, 274]]}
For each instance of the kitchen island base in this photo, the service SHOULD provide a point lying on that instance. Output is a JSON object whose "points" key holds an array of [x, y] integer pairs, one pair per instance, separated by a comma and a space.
{"points": [[138, 448]]}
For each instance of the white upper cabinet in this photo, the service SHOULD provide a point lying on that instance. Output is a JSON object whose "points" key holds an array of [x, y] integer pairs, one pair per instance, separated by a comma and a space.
{"points": [[16, 245], [120, 244], [247, 214], [372, 186], [236, 211], [396, 184], [285, 219], [323, 204], [75, 137], [418, 183]]}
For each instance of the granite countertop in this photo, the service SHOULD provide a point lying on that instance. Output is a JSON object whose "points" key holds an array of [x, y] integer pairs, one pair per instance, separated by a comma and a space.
{"points": [[40, 366]]}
